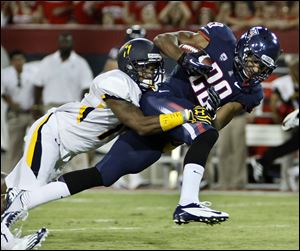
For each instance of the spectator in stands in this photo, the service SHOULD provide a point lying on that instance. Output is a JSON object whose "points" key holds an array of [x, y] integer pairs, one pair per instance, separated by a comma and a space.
{"points": [[225, 11], [56, 12], [113, 12], [25, 12], [284, 100], [274, 15], [175, 13], [149, 16], [203, 12], [205, 16], [243, 17], [144, 12], [85, 12], [63, 76], [6, 15], [17, 84]]}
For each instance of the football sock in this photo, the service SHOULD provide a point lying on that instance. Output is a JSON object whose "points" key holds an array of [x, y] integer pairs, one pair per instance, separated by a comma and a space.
{"points": [[192, 176], [30, 199]]}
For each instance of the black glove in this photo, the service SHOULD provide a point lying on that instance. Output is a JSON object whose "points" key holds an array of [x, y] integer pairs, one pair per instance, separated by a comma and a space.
{"points": [[199, 114], [190, 63], [212, 102]]}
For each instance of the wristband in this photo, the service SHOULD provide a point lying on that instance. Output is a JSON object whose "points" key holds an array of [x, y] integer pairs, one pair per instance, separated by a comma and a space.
{"points": [[169, 121]]}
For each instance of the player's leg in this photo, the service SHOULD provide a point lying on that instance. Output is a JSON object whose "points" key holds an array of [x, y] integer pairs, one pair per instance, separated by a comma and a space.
{"points": [[131, 153], [28, 242], [201, 137], [36, 168]]}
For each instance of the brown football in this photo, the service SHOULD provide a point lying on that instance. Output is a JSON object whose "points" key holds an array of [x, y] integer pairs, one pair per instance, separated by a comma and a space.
{"points": [[204, 59]]}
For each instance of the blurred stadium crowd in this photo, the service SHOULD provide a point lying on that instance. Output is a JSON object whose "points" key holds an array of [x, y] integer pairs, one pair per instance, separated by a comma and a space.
{"points": [[239, 15]]}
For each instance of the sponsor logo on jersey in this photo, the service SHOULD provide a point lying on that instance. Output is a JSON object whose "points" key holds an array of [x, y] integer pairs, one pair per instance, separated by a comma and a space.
{"points": [[223, 57]]}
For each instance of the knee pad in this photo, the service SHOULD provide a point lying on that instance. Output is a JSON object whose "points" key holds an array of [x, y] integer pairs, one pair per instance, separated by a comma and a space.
{"points": [[200, 148]]}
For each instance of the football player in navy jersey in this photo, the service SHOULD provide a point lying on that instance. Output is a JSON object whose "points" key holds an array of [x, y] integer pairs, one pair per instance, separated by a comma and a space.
{"points": [[231, 82], [237, 69]]}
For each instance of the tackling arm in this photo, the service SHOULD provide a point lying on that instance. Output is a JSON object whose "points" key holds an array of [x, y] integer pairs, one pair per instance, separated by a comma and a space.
{"points": [[169, 42], [132, 117]]}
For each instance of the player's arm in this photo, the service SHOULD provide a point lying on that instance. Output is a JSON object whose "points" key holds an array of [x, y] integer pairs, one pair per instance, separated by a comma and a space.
{"points": [[226, 113], [132, 117], [169, 42]]}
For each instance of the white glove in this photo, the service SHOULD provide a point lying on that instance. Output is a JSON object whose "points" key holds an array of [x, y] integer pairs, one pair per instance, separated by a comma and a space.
{"points": [[291, 120]]}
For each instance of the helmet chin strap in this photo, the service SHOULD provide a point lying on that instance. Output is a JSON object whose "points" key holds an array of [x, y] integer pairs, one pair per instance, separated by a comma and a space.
{"points": [[149, 84]]}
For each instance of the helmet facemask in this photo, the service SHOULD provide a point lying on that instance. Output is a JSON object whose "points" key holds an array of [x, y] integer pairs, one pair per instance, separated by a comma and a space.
{"points": [[147, 74], [256, 68], [256, 53]]}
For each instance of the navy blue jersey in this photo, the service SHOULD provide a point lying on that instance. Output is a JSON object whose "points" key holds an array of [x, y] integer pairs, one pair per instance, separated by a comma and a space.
{"points": [[223, 77]]}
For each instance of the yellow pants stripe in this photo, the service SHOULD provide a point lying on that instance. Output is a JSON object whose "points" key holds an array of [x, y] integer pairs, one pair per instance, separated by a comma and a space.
{"points": [[33, 141]]}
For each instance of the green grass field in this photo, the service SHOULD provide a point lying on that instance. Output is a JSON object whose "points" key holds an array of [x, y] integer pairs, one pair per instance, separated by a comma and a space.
{"points": [[107, 219]]}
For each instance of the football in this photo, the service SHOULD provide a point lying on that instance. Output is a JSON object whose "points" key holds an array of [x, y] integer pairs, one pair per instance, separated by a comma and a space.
{"points": [[204, 59], [188, 48]]}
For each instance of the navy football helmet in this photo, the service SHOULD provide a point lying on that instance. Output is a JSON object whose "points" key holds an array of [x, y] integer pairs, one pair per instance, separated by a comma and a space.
{"points": [[141, 60], [256, 54]]}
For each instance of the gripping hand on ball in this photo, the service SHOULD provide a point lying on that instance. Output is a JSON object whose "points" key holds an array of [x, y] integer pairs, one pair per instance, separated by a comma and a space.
{"points": [[190, 63]]}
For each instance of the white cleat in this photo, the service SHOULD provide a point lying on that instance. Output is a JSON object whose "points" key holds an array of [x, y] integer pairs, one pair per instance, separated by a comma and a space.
{"points": [[198, 213], [32, 241]]}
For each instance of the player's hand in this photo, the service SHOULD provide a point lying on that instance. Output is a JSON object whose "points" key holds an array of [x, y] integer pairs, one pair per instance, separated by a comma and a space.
{"points": [[190, 63], [291, 120], [212, 102], [199, 114]]}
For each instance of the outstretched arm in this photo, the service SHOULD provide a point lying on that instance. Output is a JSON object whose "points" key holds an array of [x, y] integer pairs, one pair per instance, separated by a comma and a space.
{"points": [[132, 117]]}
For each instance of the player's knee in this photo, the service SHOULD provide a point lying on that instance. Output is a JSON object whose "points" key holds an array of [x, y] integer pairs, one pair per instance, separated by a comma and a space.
{"points": [[201, 147], [211, 136]]}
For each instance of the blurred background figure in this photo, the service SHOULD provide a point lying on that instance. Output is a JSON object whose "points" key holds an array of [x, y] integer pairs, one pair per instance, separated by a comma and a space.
{"points": [[144, 13], [4, 129], [63, 76], [203, 12], [24, 12], [232, 154], [284, 100], [175, 13], [148, 16], [17, 84]]}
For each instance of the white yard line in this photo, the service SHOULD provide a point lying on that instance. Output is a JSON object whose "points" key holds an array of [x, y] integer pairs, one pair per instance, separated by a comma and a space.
{"points": [[89, 229]]}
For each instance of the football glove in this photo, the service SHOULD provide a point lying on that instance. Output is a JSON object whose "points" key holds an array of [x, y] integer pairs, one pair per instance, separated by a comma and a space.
{"points": [[198, 114], [190, 63], [212, 102], [291, 120]]}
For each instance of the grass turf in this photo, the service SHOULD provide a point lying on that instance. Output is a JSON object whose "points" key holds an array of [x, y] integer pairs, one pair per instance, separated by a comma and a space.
{"points": [[106, 219]]}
